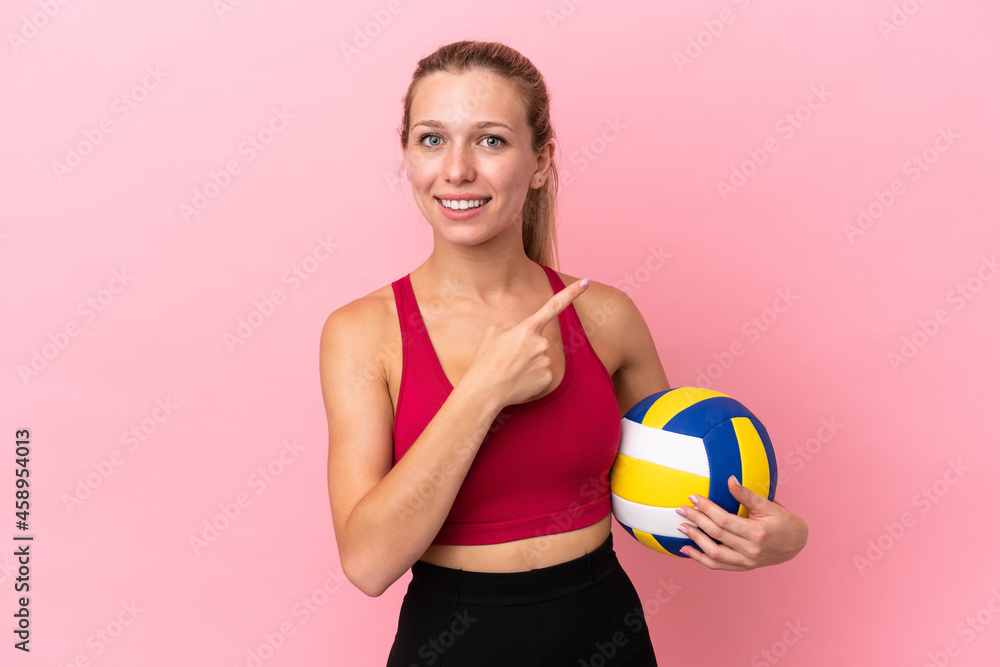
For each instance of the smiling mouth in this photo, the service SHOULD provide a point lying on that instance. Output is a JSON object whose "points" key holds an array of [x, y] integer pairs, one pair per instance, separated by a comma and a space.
{"points": [[463, 204]]}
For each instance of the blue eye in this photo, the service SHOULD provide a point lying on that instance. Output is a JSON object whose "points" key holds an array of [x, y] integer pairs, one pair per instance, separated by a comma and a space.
{"points": [[498, 141]]}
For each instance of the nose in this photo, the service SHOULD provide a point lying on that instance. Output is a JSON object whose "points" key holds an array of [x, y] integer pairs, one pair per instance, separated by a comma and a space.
{"points": [[459, 166]]}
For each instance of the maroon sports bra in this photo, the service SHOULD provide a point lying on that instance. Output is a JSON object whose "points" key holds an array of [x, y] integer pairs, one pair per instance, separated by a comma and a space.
{"points": [[543, 465]]}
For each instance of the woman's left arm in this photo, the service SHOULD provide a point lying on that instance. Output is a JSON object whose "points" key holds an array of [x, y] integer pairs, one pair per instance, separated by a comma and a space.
{"points": [[771, 534]]}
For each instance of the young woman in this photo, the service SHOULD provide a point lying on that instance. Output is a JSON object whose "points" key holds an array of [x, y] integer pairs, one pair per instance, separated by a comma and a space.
{"points": [[474, 404]]}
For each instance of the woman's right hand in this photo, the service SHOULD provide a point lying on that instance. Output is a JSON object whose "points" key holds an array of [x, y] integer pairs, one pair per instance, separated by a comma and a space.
{"points": [[512, 357]]}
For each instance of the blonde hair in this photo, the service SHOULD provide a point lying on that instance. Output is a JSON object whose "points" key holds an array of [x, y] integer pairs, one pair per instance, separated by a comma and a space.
{"points": [[538, 232]]}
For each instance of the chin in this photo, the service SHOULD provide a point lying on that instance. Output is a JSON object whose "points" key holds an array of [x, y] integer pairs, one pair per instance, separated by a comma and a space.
{"points": [[469, 239]]}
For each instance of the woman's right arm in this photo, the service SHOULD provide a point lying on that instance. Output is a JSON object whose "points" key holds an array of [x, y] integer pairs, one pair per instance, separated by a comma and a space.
{"points": [[386, 516]]}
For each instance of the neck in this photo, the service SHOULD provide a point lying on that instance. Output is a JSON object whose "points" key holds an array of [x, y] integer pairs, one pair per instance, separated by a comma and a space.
{"points": [[480, 273]]}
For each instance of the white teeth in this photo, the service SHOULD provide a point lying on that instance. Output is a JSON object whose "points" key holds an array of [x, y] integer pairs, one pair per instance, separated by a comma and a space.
{"points": [[463, 204]]}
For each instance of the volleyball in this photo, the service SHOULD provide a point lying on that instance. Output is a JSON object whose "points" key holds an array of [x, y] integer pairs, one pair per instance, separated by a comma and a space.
{"points": [[682, 441]]}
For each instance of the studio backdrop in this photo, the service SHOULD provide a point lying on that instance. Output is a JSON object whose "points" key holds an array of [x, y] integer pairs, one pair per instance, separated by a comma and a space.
{"points": [[800, 197]]}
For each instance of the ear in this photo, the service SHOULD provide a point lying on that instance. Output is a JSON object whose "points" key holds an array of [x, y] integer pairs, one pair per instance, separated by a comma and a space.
{"points": [[543, 163]]}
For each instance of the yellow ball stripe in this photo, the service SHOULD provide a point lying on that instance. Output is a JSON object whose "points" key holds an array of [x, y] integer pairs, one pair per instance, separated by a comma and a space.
{"points": [[667, 406], [648, 540], [756, 472], [651, 484]]}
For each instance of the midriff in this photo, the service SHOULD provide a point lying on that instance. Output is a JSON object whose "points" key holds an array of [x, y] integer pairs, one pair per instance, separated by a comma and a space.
{"points": [[520, 555]]}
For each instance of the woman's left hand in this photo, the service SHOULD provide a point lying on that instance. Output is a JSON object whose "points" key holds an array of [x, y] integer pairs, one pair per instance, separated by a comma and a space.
{"points": [[770, 535]]}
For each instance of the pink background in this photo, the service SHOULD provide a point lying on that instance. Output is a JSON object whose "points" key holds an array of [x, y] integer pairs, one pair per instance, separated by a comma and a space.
{"points": [[890, 576]]}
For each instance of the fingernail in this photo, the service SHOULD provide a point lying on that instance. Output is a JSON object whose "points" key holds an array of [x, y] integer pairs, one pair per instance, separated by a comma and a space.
{"points": [[683, 529], [681, 511], [584, 282], [693, 499]]}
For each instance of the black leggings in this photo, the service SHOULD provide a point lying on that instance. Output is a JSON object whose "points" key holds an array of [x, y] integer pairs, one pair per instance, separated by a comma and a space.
{"points": [[584, 612]]}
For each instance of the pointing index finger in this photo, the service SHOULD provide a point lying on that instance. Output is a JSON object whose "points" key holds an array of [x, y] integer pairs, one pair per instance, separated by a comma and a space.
{"points": [[556, 305]]}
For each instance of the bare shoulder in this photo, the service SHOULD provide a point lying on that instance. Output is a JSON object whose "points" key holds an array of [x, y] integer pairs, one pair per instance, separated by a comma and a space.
{"points": [[620, 336], [357, 328], [374, 305], [608, 316]]}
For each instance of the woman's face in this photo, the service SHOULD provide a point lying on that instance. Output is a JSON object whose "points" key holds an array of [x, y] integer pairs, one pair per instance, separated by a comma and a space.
{"points": [[469, 140]]}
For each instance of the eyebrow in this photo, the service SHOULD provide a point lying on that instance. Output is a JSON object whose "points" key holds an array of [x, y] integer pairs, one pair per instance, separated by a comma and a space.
{"points": [[478, 126]]}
